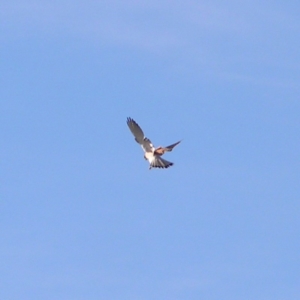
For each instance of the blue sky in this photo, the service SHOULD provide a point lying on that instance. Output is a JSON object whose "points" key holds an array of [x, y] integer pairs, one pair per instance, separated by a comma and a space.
{"points": [[82, 217]]}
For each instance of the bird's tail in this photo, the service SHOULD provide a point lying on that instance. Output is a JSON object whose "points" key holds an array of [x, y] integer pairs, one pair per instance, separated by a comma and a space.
{"points": [[159, 162]]}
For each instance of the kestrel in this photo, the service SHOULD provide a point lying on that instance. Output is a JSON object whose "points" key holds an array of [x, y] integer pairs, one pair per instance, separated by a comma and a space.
{"points": [[152, 154]]}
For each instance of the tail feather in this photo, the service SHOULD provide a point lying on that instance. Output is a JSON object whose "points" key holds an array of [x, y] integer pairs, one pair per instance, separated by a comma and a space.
{"points": [[159, 162]]}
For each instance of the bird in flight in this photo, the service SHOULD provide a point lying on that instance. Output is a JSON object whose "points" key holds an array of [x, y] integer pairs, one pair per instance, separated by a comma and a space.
{"points": [[152, 154]]}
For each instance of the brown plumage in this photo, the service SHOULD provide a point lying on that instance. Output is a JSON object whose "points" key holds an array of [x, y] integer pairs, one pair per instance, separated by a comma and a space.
{"points": [[161, 150]]}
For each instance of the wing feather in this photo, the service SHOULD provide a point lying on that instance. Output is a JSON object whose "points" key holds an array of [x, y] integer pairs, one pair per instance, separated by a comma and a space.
{"points": [[136, 130], [139, 135], [170, 148], [147, 146]]}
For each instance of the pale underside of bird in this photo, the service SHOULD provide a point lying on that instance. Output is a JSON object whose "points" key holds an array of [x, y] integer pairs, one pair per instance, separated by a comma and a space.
{"points": [[152, 154]]}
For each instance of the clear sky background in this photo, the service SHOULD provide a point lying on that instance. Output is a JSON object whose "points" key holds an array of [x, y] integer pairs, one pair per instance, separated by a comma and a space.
{"points": [[81, 215]]}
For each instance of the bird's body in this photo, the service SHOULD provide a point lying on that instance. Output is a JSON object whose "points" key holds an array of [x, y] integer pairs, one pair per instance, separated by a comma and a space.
{"points": [[152, 154]]}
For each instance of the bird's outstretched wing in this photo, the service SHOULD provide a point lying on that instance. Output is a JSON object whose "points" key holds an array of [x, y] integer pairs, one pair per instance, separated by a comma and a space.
{"points": [[136, 130], [170, 148], [162, 150], [139, 135]]}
